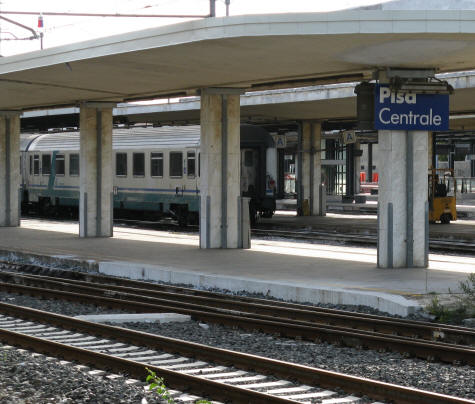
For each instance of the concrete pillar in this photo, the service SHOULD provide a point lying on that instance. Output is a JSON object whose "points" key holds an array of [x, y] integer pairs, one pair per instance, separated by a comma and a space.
{"points": [[430, 150], [403, 229], [96, 199], [357, 167], [311, 174], [271, 168], [220, 217], [369, 173], [9, 168]]}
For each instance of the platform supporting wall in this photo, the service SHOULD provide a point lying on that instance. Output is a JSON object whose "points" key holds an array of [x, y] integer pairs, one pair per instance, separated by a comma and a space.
{"points": [[220, 216], [311, 172], [403, 227], [96, 164], [9, 169]]}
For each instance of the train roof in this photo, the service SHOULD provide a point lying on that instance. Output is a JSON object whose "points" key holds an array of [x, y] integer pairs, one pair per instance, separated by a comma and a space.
{"points": [[139, 138], [165, 137], [26, 139]]}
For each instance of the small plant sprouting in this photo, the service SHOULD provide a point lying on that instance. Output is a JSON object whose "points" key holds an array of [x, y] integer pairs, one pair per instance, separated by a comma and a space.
{"points": [[464, 307], [157, 384]]}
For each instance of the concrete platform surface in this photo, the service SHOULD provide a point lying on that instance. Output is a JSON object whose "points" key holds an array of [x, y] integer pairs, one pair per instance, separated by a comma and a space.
{"points": [[301, 272]]}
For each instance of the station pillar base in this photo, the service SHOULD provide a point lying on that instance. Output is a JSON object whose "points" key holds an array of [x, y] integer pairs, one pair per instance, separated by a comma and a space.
{"points": [[9, 169], [403, 223], [96, 199], [220, 214]]}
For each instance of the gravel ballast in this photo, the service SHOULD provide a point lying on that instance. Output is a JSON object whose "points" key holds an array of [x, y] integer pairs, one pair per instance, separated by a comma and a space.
{"points": [[26, 378], [388, 367]]}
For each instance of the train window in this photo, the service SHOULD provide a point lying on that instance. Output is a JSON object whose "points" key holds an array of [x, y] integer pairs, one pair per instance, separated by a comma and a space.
{"points": [[46, 164], [156, 164], [176, 164], [60, 164], [248, 160], [36, 164], [191, 164], [74, 165], [31, 165], [121, 164], [139, 164]]}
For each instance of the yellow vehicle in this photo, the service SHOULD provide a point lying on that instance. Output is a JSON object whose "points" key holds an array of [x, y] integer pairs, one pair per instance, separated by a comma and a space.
{"points": [[442, 195]]}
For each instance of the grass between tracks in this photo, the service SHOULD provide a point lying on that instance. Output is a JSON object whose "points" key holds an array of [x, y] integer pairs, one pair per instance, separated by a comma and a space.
{"points": [[157, 384], [463, 308]]}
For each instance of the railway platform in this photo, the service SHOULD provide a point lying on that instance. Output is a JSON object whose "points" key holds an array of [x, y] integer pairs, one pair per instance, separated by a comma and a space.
{"points": [[290, 270]]}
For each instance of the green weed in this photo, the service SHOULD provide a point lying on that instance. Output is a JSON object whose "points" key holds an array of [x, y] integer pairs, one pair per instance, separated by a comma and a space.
{"points": [[464, 306], [157, 384]]}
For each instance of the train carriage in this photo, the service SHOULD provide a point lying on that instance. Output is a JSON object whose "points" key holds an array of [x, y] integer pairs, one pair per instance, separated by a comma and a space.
{"points": [[156, 172]]}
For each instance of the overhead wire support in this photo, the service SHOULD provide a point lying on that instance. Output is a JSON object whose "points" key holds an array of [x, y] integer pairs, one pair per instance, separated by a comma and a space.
{"points": [[35, 34]]}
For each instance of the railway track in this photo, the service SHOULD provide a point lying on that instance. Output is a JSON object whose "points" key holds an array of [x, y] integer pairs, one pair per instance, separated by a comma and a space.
{"points": [[202, 370], [435, 244], [290, 320]]}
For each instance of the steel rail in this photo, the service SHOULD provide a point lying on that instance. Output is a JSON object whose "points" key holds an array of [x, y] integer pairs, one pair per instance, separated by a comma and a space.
{"points": [[142, 285], [303, 374], [336, 335], [365, 239], [386, 325], [135, 369]]}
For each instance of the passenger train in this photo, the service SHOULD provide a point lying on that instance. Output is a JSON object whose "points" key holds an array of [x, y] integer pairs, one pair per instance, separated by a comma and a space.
{"points": [[156, 172]]}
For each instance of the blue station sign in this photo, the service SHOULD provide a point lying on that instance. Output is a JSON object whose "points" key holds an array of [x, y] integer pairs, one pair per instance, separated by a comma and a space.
{"points": [[408, 111]]}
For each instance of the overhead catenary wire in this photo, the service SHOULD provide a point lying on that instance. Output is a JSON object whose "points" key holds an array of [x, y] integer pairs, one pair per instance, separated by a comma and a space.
{"points": [[35, 34], [69, 14]]}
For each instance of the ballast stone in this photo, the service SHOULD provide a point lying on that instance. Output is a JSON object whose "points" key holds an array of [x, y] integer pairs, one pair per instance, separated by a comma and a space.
{"points": [[136, 318]]}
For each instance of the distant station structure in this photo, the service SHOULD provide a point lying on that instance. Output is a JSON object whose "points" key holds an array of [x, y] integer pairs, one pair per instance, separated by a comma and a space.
{"points": [[399, 50]]}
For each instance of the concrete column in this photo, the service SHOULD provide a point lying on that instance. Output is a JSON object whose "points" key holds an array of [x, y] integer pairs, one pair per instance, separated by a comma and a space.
{"points": [[271, 166], [357, 167], [9, 168], [369, 173], [430, 150], [220, 217], [403, 228], [96, 199], [311, 175]]}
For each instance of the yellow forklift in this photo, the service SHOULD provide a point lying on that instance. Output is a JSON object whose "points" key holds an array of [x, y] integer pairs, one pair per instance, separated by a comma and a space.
{"points": [[442, 195]]}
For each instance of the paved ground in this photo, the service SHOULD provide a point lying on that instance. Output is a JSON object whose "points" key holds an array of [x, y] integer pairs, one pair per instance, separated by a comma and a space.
{"points": [[290, 270]]}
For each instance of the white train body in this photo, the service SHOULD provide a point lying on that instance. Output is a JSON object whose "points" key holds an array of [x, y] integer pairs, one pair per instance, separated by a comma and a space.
{"points": [[156, 171]]}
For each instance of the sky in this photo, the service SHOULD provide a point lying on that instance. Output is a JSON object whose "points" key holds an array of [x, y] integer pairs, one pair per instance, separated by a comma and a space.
{"points": [[61, 30]]}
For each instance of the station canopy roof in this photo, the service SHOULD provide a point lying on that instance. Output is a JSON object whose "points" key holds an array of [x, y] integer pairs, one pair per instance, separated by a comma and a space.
{"points": [[251, 52]]}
